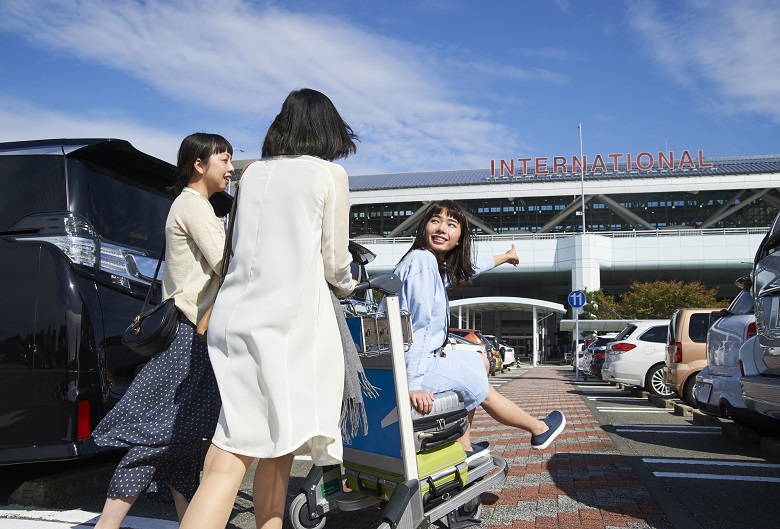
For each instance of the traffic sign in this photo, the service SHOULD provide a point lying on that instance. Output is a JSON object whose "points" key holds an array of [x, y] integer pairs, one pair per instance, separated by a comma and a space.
{"points": [[577, 299]]}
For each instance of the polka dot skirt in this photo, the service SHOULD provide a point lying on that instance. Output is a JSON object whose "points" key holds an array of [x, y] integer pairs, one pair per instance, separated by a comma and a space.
{"points": [[171, 406]]}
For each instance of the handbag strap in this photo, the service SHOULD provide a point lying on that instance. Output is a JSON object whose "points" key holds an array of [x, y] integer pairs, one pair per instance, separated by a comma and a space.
{"points": [[154, 281], [227, 253]]}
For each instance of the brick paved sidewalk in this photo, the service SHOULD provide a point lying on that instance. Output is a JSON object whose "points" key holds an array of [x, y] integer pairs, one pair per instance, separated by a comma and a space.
{"points": [[580, 482]]}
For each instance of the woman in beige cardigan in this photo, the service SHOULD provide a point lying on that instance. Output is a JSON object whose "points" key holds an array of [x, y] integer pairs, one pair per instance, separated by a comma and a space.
{"points": [[173, 403]]}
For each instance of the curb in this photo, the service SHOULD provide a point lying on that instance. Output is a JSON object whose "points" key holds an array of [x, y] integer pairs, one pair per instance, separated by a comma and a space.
{"points": [[47, 491]]}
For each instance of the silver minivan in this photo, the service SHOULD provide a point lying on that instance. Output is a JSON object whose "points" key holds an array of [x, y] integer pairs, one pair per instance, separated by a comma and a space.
{"points": [[761, 393], [717, 390]]}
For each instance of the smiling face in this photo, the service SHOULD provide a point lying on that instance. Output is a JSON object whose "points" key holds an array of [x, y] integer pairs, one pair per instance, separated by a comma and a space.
{"points": [[216, 172], [442, 233]]}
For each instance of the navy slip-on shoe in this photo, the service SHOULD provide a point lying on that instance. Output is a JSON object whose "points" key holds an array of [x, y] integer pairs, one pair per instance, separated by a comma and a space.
{"points": [[556, 422], [479, 455]]}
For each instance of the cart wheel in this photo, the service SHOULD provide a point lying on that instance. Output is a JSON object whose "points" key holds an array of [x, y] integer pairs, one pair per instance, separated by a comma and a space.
{"points": [[472, 508], [299, 515]]}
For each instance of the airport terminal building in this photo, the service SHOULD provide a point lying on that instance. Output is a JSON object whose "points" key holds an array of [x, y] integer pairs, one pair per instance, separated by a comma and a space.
{"points": [[579, 222]]}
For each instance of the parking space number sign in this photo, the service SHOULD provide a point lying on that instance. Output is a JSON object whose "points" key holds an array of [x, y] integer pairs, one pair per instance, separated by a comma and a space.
{"points": [[577, 299]]}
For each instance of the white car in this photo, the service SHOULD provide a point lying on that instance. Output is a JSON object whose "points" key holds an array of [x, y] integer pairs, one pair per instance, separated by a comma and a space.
{"points": [[507, 351], [638, 356], [458, 343]]}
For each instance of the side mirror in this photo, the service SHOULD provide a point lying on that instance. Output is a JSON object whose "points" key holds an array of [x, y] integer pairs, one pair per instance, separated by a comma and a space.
{"points": [[744, 283]]}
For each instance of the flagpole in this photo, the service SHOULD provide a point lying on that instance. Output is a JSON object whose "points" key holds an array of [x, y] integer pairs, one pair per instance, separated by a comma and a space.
{"points": [[582, 179]]}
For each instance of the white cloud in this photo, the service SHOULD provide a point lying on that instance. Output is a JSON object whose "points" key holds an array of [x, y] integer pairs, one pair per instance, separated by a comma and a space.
{"points": [[23, 121], [733, 47], [244, 59]]}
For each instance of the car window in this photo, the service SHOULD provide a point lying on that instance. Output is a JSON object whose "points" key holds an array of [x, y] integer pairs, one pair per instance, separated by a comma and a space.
{"points": [[32, 184], [625, 333], [698, 327], [655, 334], [671, 337], [742, 304], [119, 211]]}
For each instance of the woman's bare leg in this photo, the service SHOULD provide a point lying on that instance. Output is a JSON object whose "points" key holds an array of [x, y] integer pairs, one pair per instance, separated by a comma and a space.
{"points": [[180, 502], [507, 412], [465, 440], [213, 502], [114, 511], [270, 491]]}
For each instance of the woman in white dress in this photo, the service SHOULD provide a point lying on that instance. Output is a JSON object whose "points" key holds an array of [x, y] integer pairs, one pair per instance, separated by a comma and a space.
{"points": [[273, 338]]}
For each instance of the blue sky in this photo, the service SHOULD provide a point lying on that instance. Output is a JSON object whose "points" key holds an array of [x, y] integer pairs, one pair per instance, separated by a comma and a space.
{"points": [[427, 85]]}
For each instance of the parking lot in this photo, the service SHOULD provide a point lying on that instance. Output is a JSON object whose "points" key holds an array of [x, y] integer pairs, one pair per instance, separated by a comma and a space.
{"points": [[624, 461]]}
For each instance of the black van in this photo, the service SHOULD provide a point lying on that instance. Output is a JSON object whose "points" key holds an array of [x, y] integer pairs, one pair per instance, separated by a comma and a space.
{"points": [[81, 229]]}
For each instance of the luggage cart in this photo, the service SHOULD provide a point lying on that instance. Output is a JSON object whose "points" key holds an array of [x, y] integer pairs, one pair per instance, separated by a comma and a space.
{"points": [[419, 478]]}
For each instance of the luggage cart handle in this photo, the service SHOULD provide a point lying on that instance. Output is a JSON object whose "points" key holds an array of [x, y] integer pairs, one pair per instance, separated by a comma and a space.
{"points": [[388, 283]]}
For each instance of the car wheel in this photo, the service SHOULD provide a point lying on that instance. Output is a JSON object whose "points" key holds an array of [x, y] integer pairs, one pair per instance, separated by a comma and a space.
{"points": [[688, 397], [655, 382]]}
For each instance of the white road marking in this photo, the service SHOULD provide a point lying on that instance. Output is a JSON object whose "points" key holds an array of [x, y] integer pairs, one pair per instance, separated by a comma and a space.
{"points": [[672, 432], [716, 477], [625, 410], [631, 425], [23, 518], [708, 462]]}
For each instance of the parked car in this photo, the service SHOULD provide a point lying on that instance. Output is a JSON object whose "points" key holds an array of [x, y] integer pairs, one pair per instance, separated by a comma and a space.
{"points": [[637, 356], [686, 349], [81, 229], [579, 360], [506, 351], [761, 392], [456, 342], [594, 356], [718, 390], [477, 337]]}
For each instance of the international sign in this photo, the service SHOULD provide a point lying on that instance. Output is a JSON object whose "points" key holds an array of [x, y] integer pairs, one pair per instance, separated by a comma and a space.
{"points": [[577, 299]]}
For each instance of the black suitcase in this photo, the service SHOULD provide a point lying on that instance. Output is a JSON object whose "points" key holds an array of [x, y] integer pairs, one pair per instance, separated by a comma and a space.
{"points": [[447, 422]]}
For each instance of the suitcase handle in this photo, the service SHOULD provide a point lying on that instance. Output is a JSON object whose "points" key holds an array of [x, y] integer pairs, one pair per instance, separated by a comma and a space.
{"points": [[438, 438], [456, 484]]}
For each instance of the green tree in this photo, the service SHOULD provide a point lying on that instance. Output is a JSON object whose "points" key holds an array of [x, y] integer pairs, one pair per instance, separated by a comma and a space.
{"points": [[600, 306], [659, 299]]}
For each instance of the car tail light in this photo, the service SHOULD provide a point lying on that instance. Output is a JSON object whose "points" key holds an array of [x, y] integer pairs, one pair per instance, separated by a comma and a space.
{"points": [[83, 420], [741, 368], [75, 237], [599, 356], [622, 347], [751, 330], [677, 352]]}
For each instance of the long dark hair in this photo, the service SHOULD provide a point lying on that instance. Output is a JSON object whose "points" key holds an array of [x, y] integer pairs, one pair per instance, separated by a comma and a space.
{"points": [[457, 266], [200, 145], [309, 124]]}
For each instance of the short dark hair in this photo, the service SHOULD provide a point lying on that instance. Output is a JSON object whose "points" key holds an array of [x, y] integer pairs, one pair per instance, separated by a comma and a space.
{"points": [[197, 146], [309, 124], [458, 266]]}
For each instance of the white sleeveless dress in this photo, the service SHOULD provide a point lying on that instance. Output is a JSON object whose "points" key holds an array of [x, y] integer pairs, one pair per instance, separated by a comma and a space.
{"points": [[273, 338]]}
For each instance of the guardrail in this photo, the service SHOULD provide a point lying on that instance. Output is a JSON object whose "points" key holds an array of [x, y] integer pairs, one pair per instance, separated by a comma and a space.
{"points": [[677, 232]]}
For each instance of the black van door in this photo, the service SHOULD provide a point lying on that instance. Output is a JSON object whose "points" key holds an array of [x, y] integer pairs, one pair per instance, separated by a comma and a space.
{"points": [[18, 282]]}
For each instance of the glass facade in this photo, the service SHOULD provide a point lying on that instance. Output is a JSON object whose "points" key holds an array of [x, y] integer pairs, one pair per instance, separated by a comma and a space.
{"points": [[661, 210]]}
